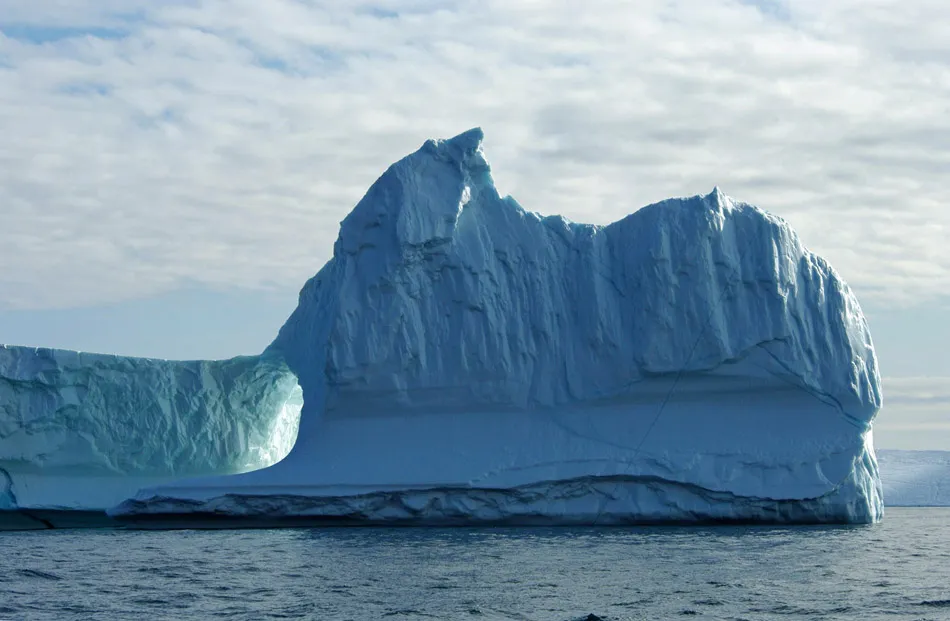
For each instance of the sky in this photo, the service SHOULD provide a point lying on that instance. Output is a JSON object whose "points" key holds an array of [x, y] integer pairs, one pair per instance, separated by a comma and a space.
{"points": [[171, 173]]}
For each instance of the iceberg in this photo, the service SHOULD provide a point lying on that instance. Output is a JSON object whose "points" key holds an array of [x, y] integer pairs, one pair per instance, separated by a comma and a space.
{"points": [[916, 478], [82, 432], [463, 360]]}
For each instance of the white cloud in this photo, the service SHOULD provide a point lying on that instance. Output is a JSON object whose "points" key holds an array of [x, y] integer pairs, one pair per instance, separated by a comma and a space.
{"points": [[916, 413], [918, 389], [222, 142]]}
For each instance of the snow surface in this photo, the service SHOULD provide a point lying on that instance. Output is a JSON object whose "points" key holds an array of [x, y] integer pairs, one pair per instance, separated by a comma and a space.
{"points": [[84, 431], [915, 478], [464, 360]]}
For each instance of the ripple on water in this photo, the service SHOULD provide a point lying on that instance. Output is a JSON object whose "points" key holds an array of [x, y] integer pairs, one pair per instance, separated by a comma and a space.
{"points": [[35, 573], [494, 574]]}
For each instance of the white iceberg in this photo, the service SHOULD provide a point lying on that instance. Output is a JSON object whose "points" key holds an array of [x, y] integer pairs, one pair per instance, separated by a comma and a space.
{"points": [[916, 478], [463, 360]]}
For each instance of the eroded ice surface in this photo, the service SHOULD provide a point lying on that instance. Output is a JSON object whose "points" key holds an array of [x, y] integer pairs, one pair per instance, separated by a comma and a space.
{"points": [[462, 360], [84, 431]]}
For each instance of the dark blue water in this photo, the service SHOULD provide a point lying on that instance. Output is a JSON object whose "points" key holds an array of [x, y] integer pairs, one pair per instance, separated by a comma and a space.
{"points": [[899, 569]]}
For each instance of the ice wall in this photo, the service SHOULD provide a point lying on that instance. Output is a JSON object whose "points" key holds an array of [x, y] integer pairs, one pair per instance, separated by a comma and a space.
{"points": [[443, 294], [83, 431], [695, 354]]}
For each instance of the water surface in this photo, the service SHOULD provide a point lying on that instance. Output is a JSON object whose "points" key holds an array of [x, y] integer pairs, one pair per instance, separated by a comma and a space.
{"points": [[899, 569]]}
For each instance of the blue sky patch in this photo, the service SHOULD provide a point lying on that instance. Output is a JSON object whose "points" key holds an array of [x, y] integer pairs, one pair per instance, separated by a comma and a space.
{"points": [[50, 34], [85, 89], [380, 12], [776, 9]]}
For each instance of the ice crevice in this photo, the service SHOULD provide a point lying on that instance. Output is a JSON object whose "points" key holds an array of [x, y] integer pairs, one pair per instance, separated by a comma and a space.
{"points": [[7, 493], [860, 423]]}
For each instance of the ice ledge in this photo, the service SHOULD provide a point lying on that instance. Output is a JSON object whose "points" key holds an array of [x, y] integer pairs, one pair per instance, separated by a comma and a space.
{"points": [[581, 501]]}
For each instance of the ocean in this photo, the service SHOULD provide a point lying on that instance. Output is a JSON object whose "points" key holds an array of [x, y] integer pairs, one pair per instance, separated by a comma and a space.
{"points": [[898, 569]]}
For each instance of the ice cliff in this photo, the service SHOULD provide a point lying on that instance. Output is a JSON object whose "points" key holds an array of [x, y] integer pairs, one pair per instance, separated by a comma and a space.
{"points": [[464, 360], [84, 431]]}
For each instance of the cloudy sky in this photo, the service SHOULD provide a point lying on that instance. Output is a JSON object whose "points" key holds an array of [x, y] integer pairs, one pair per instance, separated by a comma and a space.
{"points": [[171, 173]]}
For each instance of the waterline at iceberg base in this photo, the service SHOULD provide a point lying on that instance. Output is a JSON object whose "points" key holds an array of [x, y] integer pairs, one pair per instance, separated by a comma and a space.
{"points": [[462, 361]]}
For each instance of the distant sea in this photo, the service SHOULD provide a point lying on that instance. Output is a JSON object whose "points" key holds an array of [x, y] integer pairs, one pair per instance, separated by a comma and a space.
{"points": [[898, 569]]}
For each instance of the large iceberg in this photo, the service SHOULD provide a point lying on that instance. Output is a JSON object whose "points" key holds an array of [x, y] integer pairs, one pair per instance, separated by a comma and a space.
{"points": [[84, 431], [463, 360], [916, 478]]}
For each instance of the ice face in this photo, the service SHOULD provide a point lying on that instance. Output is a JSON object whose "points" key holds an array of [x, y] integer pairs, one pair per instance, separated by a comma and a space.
{"points": [[462, 359], [83, 431]]}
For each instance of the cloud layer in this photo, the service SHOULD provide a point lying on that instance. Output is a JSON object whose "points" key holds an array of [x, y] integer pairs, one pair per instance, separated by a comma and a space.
{"points": [[916, 413], [147, 146]]}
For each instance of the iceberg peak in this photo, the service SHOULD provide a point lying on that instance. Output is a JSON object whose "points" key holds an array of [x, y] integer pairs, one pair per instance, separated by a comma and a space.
{"points": [[718, 197], [418, 200], [461, 148]]}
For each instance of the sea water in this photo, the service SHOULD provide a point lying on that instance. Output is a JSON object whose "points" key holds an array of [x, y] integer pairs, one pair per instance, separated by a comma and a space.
{"points": [[898, 569]]}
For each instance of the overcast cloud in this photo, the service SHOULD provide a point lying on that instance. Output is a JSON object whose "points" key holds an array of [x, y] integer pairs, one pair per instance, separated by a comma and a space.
{"points": [[149, 145], [915, 413]]}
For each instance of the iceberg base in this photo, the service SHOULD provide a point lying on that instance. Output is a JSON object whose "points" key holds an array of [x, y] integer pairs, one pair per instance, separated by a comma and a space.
{"points": [[46, 519], [587, 501]]}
